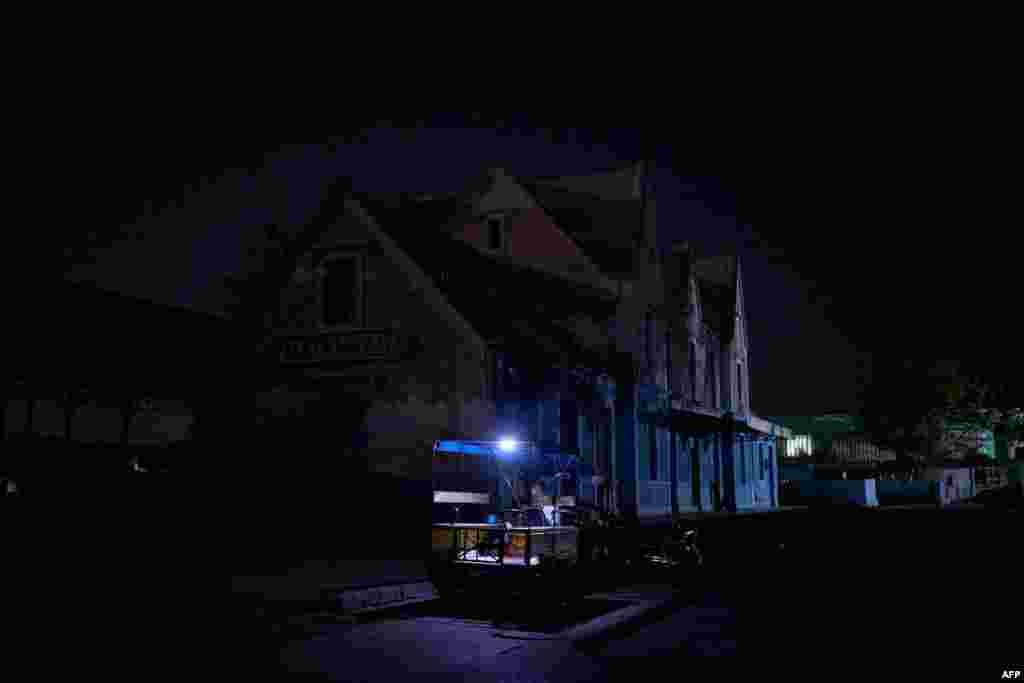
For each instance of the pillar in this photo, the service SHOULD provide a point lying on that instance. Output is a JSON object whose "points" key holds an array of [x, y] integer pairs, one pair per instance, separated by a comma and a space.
{"points": [[728, 472], [696, 490], [626, 462], [673, 471]]}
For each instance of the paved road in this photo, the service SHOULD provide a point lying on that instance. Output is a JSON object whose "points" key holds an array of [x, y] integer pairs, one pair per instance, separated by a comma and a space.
{"points": [[913, 591]]}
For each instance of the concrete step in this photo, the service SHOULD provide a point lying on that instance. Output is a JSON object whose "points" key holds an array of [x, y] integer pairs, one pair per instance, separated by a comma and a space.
{"points": [[366, 599]]}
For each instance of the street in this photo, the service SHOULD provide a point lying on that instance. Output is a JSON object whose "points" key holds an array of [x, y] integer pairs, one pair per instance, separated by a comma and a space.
{"points": [[877, 593]]}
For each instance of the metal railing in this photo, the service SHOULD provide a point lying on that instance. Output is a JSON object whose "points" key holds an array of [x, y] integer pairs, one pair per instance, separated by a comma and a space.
{"points": [[499, 545]]}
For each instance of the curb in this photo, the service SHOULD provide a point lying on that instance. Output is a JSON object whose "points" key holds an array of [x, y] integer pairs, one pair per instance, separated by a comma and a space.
{"points": [[605, 627], [595, 634], [366, 600], [609, 624]]}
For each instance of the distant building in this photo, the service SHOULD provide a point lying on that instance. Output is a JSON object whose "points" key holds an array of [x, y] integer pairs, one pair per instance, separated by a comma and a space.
{"points": [[832, 438], [98, 377]]}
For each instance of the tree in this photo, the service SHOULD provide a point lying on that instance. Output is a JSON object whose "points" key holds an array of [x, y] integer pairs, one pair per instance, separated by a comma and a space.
{"points": [[905, 403], [995, 398]]}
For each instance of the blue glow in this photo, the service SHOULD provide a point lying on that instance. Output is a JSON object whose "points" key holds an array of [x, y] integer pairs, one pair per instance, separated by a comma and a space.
{"points": [[491, 448], [464, 447]]}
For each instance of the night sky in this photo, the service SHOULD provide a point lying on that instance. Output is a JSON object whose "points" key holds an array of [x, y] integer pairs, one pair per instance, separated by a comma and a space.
{"points": [[800, 360]]}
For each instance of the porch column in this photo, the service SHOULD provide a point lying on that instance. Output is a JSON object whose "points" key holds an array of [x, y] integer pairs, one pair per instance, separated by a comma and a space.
{"points": [[696, 490], [673, 473], [729, 465], [626, 461]]}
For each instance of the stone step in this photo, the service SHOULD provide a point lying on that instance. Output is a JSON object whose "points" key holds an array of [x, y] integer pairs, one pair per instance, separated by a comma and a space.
{"points": [[360, 600]]}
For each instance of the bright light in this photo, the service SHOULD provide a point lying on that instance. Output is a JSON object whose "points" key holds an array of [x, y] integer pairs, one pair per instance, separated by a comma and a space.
{"points": [[508, 445]]}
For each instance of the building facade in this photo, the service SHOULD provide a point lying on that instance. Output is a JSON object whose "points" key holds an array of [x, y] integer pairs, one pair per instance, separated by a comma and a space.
{"points": [[667, 425]]}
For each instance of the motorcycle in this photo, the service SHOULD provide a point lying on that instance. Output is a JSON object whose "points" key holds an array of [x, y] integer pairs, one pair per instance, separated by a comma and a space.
{"points": [[677, 557]]}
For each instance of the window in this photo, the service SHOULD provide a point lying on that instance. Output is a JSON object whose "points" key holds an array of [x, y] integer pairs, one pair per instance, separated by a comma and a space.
{"points": [[495, 241], [342, 291], [739, 386]]}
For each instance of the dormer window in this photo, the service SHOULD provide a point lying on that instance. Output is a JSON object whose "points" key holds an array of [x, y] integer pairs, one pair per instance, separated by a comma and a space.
{"points": [[495, 233]]}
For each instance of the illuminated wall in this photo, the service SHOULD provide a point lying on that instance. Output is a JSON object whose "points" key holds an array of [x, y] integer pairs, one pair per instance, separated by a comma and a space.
{"points": [[799, 444]]}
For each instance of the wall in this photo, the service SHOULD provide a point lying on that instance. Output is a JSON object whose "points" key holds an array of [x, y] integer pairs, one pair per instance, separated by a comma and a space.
{"points": [[861, 492], [438, 389], [753, 481], [901, 492], [685, 453]]}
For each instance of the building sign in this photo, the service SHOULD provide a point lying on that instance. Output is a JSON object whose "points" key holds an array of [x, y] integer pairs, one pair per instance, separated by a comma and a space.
{"points": [[350, 347]]}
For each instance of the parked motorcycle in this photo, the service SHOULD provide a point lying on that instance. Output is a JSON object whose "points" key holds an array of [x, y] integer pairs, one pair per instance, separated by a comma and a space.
{"points": [[677, 557]]}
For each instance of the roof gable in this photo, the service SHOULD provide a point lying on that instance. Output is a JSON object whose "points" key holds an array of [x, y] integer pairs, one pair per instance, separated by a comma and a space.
{"points": [[599, 226], [530, 233], [717, 280], [502, 299]]}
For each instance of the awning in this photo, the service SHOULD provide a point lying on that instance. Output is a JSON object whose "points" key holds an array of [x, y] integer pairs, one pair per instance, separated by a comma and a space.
{"points": [[694, 422], [757, 426]]}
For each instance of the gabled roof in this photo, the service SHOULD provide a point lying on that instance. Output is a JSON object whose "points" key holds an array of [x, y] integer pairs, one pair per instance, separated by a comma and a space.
{"points": [[615, 184], [716, 280], [405, 209], [500, 299], [607, 230], [719, 270]]}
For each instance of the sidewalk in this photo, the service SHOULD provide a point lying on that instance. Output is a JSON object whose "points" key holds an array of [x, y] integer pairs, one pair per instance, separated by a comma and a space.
{"points": [[388, 650], [349, 585]]}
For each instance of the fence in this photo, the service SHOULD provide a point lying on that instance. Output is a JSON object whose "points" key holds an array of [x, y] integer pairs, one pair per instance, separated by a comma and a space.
{"points": [[904, 492], [860, 492]]}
